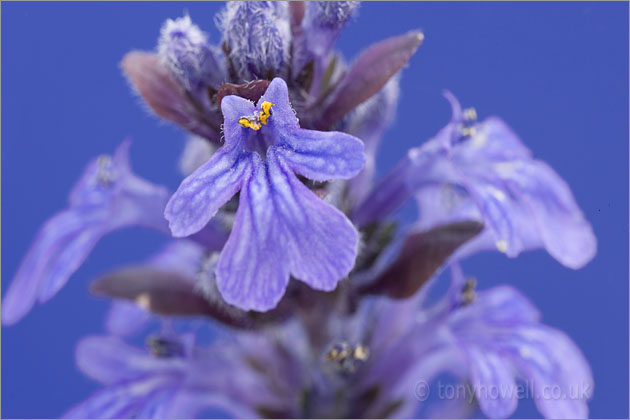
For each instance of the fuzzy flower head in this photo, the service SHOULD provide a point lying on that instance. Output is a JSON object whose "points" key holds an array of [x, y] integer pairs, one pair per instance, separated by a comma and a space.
{"points": [[282, 228], [257, 35], [183, 48]]}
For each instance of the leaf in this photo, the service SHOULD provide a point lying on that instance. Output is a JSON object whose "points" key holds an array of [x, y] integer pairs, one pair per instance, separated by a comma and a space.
{"points": [[369, 73], [296, 14], [172, 294], [164, 95], [422, 254]]}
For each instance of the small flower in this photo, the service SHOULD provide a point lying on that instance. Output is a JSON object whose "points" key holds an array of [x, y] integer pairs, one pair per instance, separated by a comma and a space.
{"points": [[500, 333], [184, 50], [257, 35], [489, 338], [481, 171], [169, 381], [281, 227], [107, 197]]}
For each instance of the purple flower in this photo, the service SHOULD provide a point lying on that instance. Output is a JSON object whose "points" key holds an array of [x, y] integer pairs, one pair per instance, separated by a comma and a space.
{"points": [[490, 339], [107, 197], [503, 340], [172, 380], [282, 187], [481, 171], [281, 228]]}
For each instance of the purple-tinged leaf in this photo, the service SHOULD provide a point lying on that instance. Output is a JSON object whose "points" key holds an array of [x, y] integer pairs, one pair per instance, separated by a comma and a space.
{"points": [[369, 73], [172, 294], [164, 95], [296, 14], [421, 256], [162, 292]]}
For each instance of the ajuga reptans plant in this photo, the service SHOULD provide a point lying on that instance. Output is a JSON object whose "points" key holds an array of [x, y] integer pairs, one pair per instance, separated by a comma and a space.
{"points": [[282, 240]]}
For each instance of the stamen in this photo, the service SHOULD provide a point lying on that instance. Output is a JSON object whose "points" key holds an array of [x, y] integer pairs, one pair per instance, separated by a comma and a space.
{"points": [[249, 122], [266, 112], [502, 245], [361, 353], [470, 114], [163, 347], [105, 174], [468, 291], [468, 131], [259, 118], [346, 357]]}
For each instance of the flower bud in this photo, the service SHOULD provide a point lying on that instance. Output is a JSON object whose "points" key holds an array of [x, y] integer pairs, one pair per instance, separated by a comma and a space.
{"points": [[184, 50], [257, 36]]}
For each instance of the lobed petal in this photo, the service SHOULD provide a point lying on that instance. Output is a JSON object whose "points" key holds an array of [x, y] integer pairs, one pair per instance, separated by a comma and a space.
{"points": [[564, 230], [109, 360], [283, 117], [323, 155], [200, 195], [493, 381], [60, 247], [563, 390], [282, 228], [116, 402], [250, 272]]}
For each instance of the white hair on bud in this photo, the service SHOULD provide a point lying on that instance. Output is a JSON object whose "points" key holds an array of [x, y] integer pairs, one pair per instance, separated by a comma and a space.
{"points": [[258, 37]]}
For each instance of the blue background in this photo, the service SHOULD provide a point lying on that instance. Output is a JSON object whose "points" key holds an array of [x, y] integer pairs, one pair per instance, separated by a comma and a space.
{"points": [[556, 72]]}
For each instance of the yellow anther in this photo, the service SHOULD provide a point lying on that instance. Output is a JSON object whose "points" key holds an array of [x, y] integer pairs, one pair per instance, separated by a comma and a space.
{"points": [[266, 112], [249, 123], [361, 353], [468, 131], [254, 122], [502, 245], [470, 114], [468, 291]]}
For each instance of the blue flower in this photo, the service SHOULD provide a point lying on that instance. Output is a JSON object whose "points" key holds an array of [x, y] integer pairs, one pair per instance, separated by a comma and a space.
{"points": [[500, 334], [481, 171], [281, 228], [107, 197], [172, 380], [489, 339]]}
